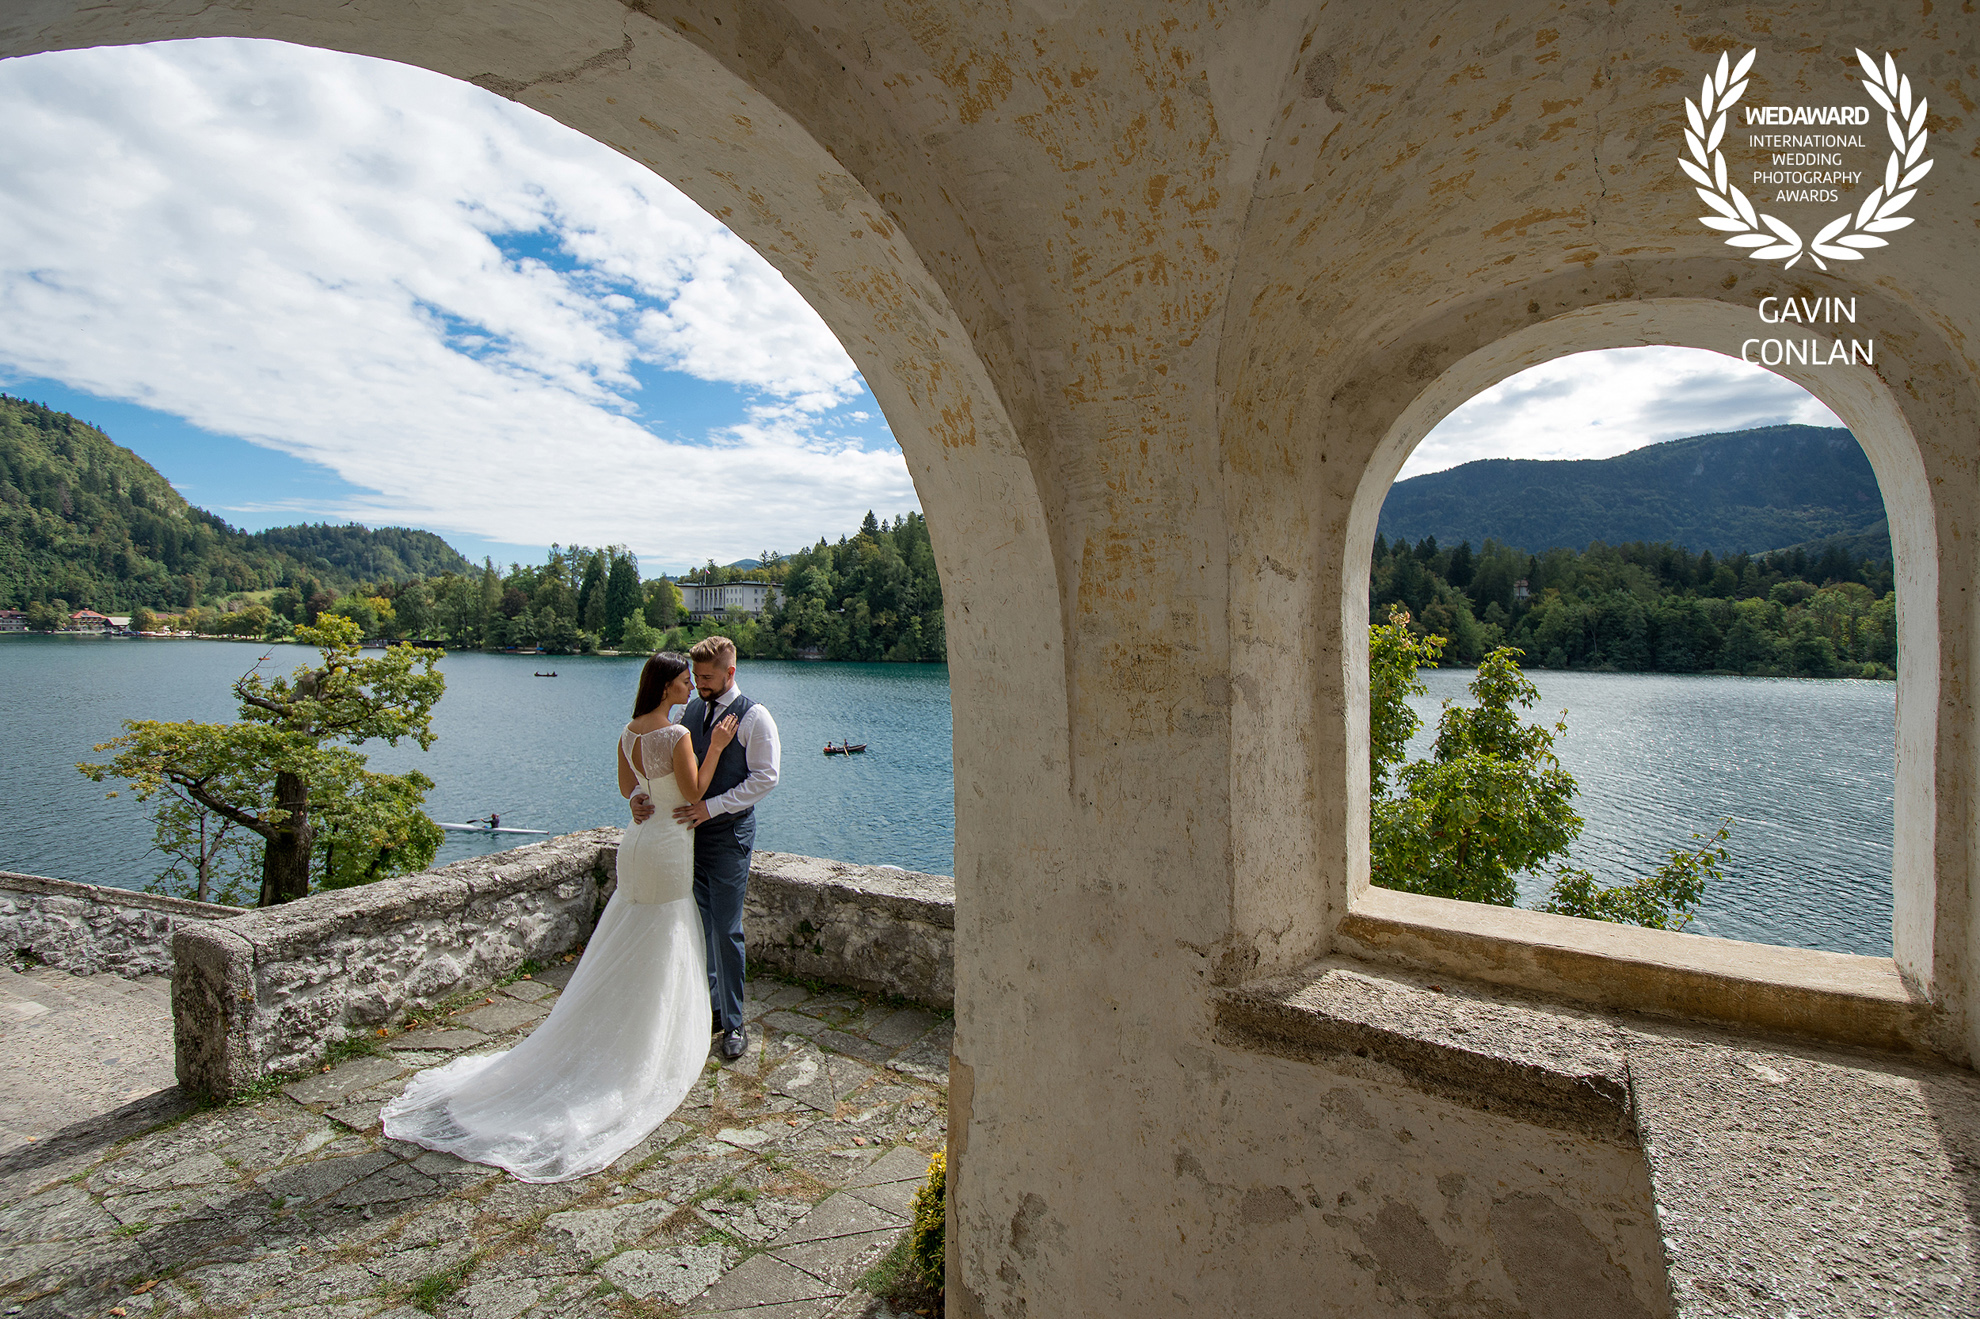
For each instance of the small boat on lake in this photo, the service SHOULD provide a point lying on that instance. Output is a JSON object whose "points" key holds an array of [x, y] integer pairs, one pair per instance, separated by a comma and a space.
{"points": [[473, 828], [845, 748], [551, 674]]}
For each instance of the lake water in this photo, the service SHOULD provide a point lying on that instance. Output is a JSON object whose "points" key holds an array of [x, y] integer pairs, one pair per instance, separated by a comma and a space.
{"points": [[540, 751], [1803, 767]]}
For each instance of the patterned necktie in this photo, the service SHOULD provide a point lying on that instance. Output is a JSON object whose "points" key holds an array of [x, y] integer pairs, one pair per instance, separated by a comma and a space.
{"points": [[708, 719]]}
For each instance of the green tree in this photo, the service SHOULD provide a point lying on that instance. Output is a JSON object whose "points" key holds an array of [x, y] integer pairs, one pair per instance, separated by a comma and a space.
{"points": [[1664, 899], [291, 756], [664, 604], [414, 609], [639, 636], [209, 858], [1490, 803], [1394, 655], [590, 611], [377, 829], [622, 596], [364, 611], [48, 617]]}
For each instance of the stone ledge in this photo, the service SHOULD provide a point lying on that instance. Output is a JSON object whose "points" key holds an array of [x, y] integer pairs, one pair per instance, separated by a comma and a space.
{"points": [[1796, 1179], [271, 989], [41, 886], [1836, 997], [1788, 1176], [871, 928], [88, 928], [880, 929], [1551, 1067]]}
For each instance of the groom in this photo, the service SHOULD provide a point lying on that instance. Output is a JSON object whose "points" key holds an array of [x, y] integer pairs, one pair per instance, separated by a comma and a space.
{"points": [[724, 823]]}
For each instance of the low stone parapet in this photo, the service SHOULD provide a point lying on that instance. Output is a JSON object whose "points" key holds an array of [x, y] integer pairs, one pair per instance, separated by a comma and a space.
{"points": [[271, 990], [875, 928], [91, 928]]}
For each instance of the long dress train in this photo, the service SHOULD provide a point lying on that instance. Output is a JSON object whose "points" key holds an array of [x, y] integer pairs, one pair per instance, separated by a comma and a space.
{"points": [[625, 1041]]}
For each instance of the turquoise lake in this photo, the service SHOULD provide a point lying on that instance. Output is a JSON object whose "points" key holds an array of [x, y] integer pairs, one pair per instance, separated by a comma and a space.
{"points": [[1804, 768]]}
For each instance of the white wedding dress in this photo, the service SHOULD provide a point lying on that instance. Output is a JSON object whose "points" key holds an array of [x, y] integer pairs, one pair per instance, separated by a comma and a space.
{"points": [[625, 1041]]}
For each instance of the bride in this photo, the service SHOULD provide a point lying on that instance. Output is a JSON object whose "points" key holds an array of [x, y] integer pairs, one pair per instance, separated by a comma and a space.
{"points": [[625, 1041]]}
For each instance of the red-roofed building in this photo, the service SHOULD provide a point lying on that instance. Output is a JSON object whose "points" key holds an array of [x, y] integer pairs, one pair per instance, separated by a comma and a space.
{"points": [[88, 620]]}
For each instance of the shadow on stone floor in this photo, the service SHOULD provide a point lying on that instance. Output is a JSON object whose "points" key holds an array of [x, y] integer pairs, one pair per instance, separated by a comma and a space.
{"points": [[774, 1187], [28, 1166]]}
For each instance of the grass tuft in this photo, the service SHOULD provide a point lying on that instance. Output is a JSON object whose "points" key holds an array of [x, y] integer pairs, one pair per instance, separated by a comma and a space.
{"points": [[898, 1281], [428, 1293]]}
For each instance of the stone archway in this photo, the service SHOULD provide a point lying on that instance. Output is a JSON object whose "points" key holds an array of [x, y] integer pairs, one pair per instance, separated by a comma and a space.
{"points": [[1909, 437], [721, 131], [1871, 410], [723, 105]]}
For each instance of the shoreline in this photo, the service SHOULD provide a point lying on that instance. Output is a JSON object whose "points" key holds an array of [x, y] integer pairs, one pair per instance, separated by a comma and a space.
{"points": [[442, 649], [635, 654]]}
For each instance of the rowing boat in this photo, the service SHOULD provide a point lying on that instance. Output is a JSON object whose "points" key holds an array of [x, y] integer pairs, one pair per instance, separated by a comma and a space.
{"points": [[484, 829]]}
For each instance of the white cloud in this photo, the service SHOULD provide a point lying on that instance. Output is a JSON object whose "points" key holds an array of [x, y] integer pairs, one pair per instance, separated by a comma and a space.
{"points": [[1599, 404], [445, 298]]}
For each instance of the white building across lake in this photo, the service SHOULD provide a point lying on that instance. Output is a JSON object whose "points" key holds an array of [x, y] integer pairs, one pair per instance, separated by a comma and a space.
{"points": [[737, 597]]}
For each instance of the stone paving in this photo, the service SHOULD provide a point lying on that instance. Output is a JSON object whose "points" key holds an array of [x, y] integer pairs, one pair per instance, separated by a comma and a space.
{"points": [[778, 1183]]}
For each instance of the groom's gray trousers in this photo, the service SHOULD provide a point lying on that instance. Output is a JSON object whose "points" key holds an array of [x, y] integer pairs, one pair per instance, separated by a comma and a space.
{"points": [[722, 849]]}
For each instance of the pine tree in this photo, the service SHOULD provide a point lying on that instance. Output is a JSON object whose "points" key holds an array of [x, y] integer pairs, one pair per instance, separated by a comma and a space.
{"points": [[622, 594]]}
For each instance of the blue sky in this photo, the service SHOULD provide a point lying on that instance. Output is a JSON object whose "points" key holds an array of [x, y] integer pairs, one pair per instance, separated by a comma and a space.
{"points": [[310, 286]]}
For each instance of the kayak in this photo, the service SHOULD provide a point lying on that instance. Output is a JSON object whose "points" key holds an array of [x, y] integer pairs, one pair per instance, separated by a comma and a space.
{"points": [[484, 829]]}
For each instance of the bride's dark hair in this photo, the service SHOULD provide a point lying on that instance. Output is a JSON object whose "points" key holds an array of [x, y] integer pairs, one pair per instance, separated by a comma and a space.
{"points": [[656, 678]]}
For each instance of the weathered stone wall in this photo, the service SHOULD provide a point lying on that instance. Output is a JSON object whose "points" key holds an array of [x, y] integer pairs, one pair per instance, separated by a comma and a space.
{"points": [[876, 928], [270, 990], [88, 928]]}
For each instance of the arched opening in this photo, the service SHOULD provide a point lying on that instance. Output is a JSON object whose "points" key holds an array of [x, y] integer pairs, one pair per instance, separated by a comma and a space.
{"points": [[759, 130], [1709, 590], [437, 302], [1860, 398], [729, 121]]}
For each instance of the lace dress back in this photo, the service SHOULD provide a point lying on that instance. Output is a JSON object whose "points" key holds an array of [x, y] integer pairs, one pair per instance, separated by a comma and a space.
{"points": [[626, 1040], [656, 859]]}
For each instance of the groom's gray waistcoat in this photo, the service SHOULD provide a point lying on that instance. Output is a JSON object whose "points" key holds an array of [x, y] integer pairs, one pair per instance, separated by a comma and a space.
{"points": [[730, 769]]}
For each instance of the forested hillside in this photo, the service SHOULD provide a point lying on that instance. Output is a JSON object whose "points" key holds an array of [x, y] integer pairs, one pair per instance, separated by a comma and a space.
{"points": [[873, 595], [1743, 492], [1647, 608], [89, 523], [353, 553]]}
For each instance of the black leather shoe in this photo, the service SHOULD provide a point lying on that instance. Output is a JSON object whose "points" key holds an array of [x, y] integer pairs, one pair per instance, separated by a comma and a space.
{"points": [[735, 1043]]}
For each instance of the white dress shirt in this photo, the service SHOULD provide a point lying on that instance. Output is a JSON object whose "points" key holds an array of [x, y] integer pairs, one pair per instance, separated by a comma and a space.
{"points": [[757, 732]]}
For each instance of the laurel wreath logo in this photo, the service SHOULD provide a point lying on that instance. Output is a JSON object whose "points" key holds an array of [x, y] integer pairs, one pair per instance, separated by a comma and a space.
{"points": [[1768, 238]]}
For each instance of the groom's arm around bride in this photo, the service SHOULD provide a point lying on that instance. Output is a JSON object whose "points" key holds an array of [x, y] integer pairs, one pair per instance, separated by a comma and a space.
{"points": [[724, 823]]}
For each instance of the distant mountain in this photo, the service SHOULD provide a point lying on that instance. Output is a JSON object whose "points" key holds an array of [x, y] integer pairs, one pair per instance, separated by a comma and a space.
{"points": [[86, 521], [1744, 491]]}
